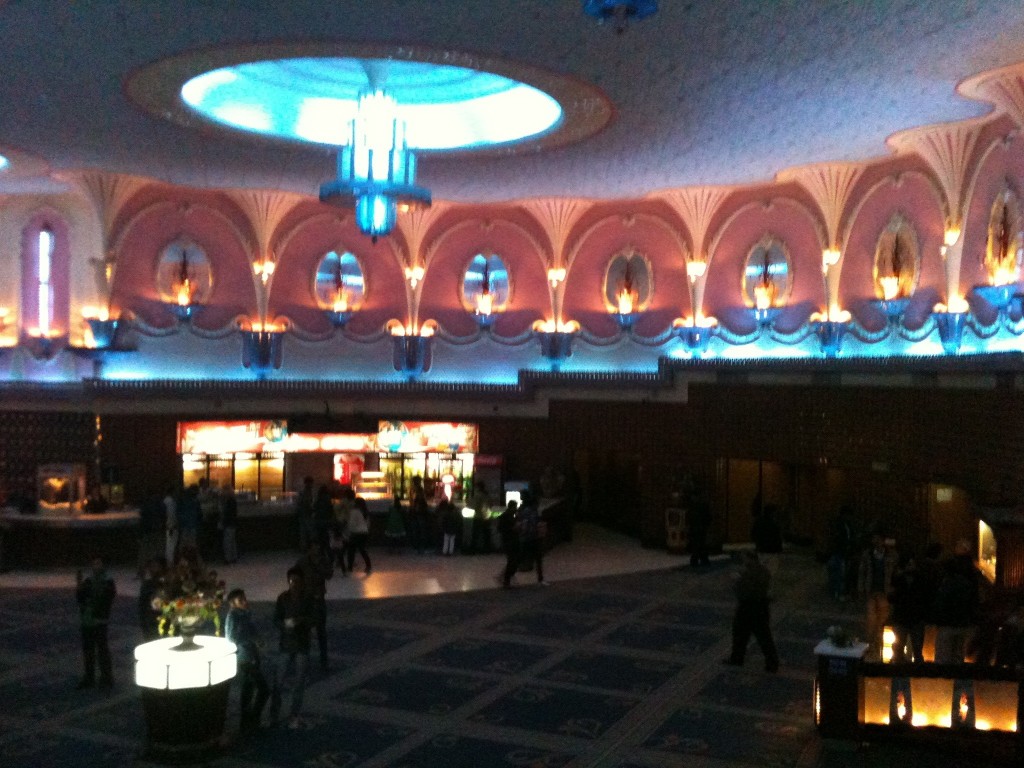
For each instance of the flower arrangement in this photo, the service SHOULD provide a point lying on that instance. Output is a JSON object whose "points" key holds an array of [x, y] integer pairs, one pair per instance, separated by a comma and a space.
{"points": [[839, 637], [189, 598]]}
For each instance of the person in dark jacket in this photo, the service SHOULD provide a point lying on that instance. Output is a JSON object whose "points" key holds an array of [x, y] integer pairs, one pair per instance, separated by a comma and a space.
{"points": [[293, 617], [316, 570], [508, 529], [752, 615], [95, 595], [240, 629]]}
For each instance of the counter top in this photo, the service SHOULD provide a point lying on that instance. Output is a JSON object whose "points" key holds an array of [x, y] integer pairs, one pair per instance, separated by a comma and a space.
{"points": [[114, 519]]}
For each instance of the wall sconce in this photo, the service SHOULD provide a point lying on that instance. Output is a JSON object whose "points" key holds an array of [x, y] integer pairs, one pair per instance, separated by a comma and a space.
{"points": [[949, 238], [830, 328], [102, 328], [951, 320], [262, 347], [341, 311], [556, 275], [627, 298], [829, 258], [695, 269], [43, 345], [696, 333], [5, 319], [412, 351], [263, 269], [556, 338], [414, 275]]}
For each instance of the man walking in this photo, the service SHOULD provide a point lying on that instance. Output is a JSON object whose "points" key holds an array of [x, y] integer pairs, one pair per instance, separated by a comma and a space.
{"points": [[95, 595], [752, 614]]}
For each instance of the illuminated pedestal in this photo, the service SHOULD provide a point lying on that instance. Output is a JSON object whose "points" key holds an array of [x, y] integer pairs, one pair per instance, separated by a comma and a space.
{"points": [[184, 688], [837, 689]]}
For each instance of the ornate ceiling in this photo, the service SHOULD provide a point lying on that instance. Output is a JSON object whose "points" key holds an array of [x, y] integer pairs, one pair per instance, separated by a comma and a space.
{"points": [[704, 92]]}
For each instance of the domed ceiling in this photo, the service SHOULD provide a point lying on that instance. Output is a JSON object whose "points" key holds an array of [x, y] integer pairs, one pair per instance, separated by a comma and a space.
{"points": [[703, 92]]}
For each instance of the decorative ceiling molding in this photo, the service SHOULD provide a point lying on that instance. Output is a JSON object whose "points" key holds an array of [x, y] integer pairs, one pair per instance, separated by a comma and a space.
{"points": [[557, 216], [1002, 87], [830, 184], [947, 149]]}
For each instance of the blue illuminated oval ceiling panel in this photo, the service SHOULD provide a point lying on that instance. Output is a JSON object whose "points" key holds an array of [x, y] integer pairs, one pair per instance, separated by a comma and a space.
{"points": [[312, 99]]}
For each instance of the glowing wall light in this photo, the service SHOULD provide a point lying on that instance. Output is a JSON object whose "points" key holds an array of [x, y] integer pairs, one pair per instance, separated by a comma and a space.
{"points": [[556, 338], [102, 328], [695, 333], [830, 328], [951, 320], [262, 346], [412, 349], [556, 275]]}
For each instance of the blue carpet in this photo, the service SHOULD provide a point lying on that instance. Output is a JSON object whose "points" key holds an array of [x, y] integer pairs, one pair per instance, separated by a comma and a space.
{"points": [[546, 624], [446, 613], [731, 736], [322, 741], [367, 641], [56, 751], [759, 691], [666, 638], [452, 751], [614, 672], [691, 614], [417, 690], [553, 710], [592, 604], [479, 655]]}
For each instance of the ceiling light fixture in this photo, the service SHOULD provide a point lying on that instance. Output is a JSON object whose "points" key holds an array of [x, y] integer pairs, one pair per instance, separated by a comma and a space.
{"points": [[620, 11], [376, 170]]}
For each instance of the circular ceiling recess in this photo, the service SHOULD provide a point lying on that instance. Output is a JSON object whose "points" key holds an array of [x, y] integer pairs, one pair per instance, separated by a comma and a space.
{"points": [[308, 94]]}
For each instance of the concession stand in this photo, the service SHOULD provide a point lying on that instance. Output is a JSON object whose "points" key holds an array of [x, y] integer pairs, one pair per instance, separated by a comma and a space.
{"points": [[265, 463]]}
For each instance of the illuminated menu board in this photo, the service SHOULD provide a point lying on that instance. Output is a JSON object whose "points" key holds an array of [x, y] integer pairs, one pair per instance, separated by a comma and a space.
{"points": [[427, 437]]}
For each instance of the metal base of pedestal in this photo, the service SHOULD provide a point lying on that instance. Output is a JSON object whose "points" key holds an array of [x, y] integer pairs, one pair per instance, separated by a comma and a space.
{"points": [[185, 726]]}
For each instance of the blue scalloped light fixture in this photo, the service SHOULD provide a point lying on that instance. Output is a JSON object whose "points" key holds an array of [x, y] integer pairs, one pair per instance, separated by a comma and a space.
{"points": [[620, 11], [378, 112]]}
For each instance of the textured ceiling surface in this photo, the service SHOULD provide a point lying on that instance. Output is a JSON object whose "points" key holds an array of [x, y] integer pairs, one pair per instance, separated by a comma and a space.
{"points": [[705, 91]]}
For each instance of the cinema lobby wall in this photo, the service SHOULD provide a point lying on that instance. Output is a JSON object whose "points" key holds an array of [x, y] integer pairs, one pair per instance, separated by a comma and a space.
{"points": [[632, 412]]}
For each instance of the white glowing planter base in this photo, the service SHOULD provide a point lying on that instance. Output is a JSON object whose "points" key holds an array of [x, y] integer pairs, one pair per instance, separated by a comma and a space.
{"points": [[159, 665]]}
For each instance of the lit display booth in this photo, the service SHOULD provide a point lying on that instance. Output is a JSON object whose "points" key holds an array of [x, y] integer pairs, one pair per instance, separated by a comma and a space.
{"points": [[58, 530], [976, 705], [184, 683]]}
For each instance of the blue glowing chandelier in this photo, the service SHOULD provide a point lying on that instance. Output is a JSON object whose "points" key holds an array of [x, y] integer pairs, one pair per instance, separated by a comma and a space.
{"points": [[376, 170], [620, 11]]}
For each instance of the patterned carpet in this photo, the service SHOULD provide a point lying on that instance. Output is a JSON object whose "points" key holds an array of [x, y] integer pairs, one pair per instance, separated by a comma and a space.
{"points": [[613, 672]]}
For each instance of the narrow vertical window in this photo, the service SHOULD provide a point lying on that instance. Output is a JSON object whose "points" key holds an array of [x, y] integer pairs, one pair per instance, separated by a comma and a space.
{"points": [[45, 264]]}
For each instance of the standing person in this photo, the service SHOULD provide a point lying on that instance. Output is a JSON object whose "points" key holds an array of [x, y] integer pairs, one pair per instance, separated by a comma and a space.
{"points": [[316, 570], [189, 513], [508, 528], [532, 532], [840, 543], [240, 629], [229, 524], [873, 581], [171, 528], [481, 504], [95, 595], [293, 617], [209, 521], [150, 587], [304, 513], [753, 615], [957, 598], [451, 521], [152, 530], [323, 516], [357, 533], [339, 529], [767, 537], [419, 514], [698, 524], [908, 605]]}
